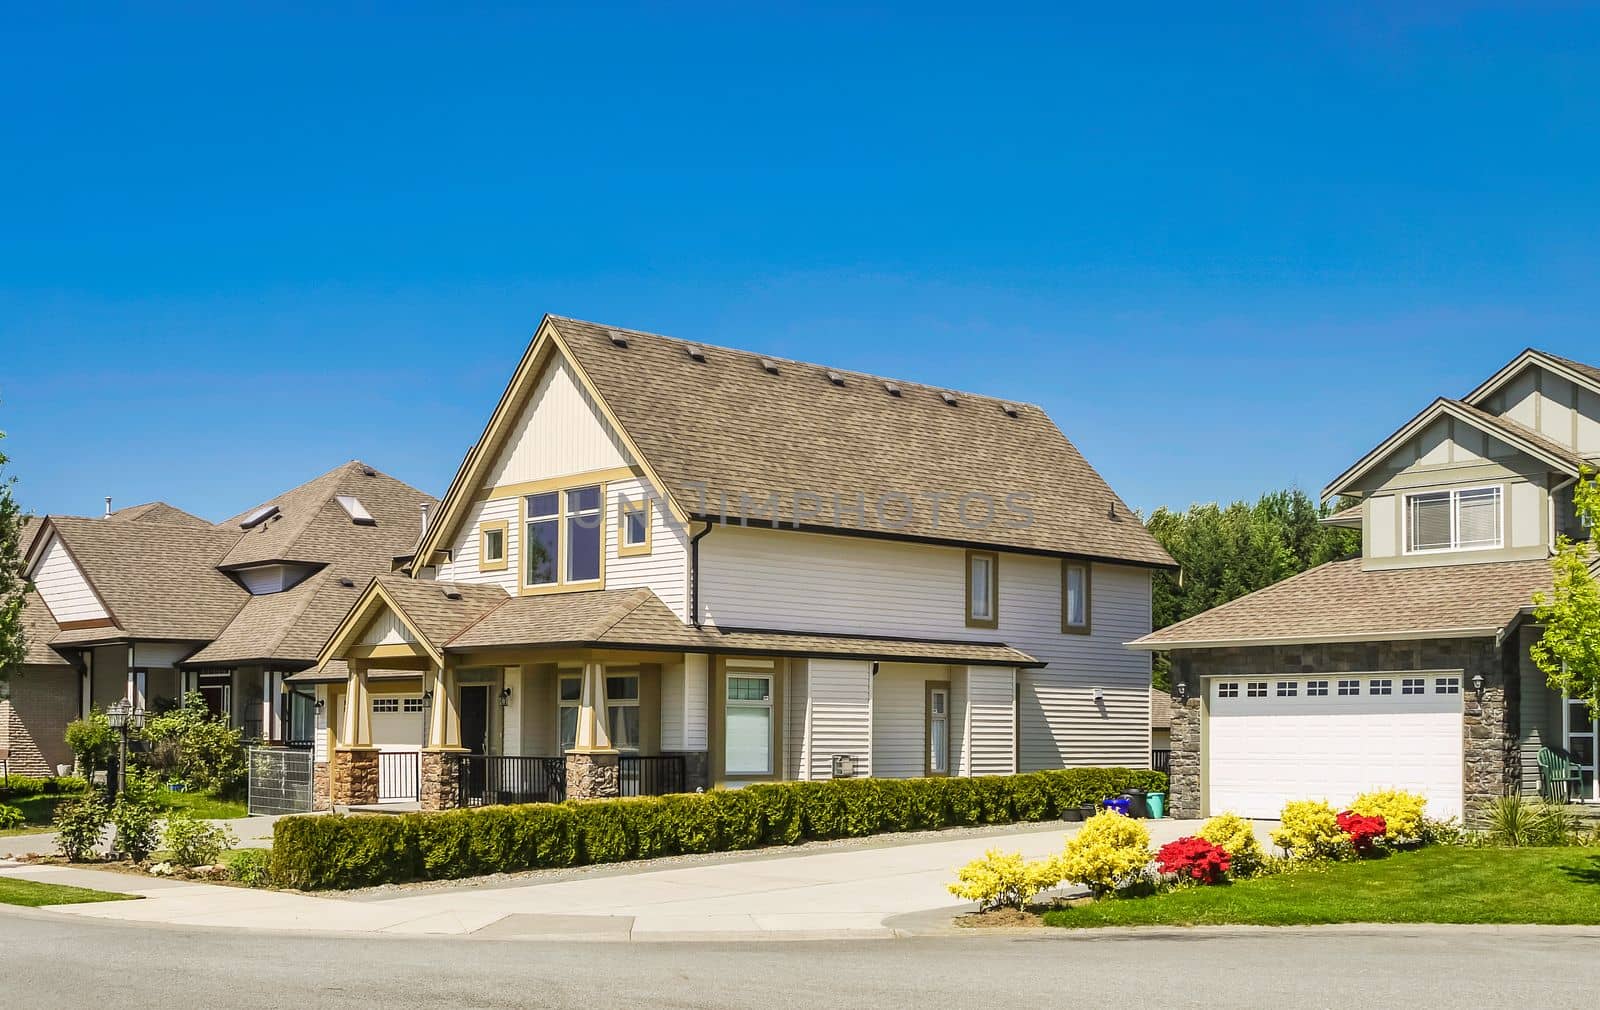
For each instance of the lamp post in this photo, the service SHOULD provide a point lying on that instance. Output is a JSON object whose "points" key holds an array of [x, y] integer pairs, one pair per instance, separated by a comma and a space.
{"points": [[123, 717]]}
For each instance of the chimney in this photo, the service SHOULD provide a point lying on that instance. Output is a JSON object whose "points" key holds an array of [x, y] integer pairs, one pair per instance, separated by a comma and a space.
{"points": [[424, 518], [108, 506]]}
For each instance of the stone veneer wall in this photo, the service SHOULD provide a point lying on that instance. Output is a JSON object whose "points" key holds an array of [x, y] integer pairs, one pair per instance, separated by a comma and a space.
{"points": [[1489, 726], [321, 793], [355, 776], [593, 776], [441, 780]]}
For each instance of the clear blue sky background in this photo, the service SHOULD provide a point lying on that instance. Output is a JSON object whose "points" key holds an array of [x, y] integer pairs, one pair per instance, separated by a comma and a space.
{"points": [[1226, 255]]}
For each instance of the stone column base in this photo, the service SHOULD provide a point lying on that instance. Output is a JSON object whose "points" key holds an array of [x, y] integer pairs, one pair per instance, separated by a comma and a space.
{"points": [[355, 776], [593, 775], [441, 780], [321, 791]]}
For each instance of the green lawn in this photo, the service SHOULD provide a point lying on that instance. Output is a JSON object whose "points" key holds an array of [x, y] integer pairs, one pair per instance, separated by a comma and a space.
{"points": [[33, 894], [37, 809], [210, 808], [1439, 884]]}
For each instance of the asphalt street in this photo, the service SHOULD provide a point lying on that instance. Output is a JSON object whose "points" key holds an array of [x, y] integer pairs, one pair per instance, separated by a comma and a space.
{"points": [[48, 961]]}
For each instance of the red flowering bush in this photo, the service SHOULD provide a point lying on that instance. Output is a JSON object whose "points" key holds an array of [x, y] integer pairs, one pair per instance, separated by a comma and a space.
{"points": [[1364, 831], [1194, 858]]}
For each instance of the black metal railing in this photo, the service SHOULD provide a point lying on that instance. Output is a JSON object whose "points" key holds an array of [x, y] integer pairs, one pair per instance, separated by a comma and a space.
{"points": [[250, 729], [487, 780], [1161, 761], [300, 744], [399, 775], [652, 776]]}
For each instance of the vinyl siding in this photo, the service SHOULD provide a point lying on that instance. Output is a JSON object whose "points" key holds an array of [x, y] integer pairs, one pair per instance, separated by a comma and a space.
{"points": [[696, 691], [463, 563], [991, 721], [561, 431], [1538, 713], [797, 709], [666, 568], [899, 718], [387, 629], [841, 714], [64, 587], [813, 582], [672, 701], [959, 751]]}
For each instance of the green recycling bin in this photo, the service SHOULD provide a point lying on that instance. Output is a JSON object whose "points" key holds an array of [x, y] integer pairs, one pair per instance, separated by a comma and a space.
{"points": [[1157, 802]]}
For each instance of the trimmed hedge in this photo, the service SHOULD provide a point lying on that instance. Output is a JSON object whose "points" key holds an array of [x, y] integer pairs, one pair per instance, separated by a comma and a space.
{"points": [[343, 851], [19, 787]]}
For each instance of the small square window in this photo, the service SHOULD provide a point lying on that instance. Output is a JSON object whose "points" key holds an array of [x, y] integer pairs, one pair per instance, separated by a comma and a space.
{"points": [[1413, 685], [1349, 687], [412, 705], [1288, 689], [1256, 689], [1380, 687], [1316, 689], [1227, 690], [384, 706], [571, 688], [1447, 685]]}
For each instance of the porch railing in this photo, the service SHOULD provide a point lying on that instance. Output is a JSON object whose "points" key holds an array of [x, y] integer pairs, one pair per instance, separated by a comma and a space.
{"points": [[1161, 761], [495, 780], [652, 776], [399, 776]]}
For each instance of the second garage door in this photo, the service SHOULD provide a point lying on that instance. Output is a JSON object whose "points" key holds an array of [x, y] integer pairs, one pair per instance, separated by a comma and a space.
{"points": [[1271, 740]]}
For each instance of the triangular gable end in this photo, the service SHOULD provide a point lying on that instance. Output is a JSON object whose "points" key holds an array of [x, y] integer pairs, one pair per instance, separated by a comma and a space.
{"points": [[64, 585], [376, 627], [549, 387]]}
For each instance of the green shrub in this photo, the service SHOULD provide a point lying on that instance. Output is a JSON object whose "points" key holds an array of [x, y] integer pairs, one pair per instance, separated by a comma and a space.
{"points": [[344, 851], [11, 817], [193, 746], [251, 867], [1237, 837], [20, 787], [193, 842], [91, 741], [80, 825], [135, 815], [1309, 829]]}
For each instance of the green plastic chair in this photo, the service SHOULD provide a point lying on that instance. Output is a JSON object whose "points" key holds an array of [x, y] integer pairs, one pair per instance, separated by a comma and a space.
{"points": [[1558, 774]]}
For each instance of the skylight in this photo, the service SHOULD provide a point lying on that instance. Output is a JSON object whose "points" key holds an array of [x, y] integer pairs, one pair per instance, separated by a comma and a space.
{"points": [[258, 517], [358, 512]]}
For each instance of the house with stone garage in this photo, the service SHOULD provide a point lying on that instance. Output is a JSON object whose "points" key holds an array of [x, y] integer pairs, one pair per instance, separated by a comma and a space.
{"points": [[666, 566], [1408, 666], [148, 603]]}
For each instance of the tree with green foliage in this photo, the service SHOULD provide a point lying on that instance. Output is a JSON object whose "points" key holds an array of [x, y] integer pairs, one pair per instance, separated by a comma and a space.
{"points": [[1226, 552], [13, 645], [1568, 653]]}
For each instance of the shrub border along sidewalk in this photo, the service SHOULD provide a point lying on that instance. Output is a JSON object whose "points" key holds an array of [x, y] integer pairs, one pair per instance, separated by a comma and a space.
{"points": [[344, 851]]}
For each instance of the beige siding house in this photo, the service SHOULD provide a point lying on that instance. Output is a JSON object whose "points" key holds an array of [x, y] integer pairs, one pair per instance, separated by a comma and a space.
{"points": [[1408, 666], [671, 566]]}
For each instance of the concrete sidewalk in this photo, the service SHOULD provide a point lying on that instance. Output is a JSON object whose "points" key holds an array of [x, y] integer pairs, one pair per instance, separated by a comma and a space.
{"points": [[766, 894], [252, 832]]}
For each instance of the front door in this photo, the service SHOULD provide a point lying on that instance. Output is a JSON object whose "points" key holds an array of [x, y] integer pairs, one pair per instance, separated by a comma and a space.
{"points": [[475, 719], [1582, 732]]}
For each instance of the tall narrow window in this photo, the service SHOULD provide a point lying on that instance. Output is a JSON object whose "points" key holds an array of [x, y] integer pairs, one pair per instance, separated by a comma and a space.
{"points": [[584, 534], [983, 589], [543, 542], [1075, 591], [622, 710], [938, 729], [571, 692], [748, 721]]}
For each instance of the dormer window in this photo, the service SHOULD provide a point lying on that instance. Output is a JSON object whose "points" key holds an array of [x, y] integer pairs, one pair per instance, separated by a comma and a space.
{"points": [[1463, 520]]}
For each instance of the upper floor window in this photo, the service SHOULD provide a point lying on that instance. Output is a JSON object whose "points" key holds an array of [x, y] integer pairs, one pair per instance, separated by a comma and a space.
{"points": [[1464, 520], [492, 546], [1075, 593], [633, 527], [983, 589], [565, 536]]}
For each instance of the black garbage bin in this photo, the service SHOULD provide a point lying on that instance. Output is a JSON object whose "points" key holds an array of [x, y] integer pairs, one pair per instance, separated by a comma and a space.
{"points": [[1137, 807]]}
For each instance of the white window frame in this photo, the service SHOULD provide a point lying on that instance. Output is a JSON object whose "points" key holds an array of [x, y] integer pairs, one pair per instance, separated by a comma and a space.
{"points": [[1255, 689], [729, 704], [1413, 685], [1349, 689], [1380, 687], [1455, 520], [1228, 689], [938, 718], [1447, 685], [1317, 688], [386, 705], [1288, 688]]}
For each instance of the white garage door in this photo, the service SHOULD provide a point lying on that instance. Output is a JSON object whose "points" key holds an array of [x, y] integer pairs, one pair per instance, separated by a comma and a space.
{"points": [[1271, 740]]}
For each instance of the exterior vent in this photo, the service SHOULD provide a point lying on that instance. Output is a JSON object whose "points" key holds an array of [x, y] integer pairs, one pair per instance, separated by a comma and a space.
{"points": [[618, 339], [368, 471], [892, 388], [696, 352], [258, 517], [452, 594], [769, 366], [836, 378], [347, 582], [948, 398], [1010, 409]]}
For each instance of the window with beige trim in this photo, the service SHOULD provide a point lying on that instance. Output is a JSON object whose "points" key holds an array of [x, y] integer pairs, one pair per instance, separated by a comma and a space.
{"points": [[633, 527], [983, 589], [564, 537], [938, 713], [747, 724], [492, 546], [1076, 591]]}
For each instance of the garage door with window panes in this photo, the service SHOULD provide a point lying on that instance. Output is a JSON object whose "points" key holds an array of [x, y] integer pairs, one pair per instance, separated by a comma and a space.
{"points": [[1272, 739]]}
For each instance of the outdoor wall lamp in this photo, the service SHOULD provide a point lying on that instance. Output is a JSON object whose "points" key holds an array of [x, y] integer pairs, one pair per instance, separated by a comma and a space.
{"points": [[1477, 685], [320, 704], [505, 697], [427, 697], [1182, 692]]}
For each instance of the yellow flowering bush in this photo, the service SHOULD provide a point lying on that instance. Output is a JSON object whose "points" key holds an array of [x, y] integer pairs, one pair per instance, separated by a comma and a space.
{"points": [[1401, 811], [1108, 853], [1004, 880], [1310, 830], [1237, 837]]}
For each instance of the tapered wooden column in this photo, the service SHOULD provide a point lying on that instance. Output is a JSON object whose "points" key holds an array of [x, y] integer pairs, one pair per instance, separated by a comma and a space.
{"points": [[353, 776], [593, 770], [444, 716]]}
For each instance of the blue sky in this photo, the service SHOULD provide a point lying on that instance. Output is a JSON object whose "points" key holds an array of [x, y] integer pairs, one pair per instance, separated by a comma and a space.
{"points": [[1227, 255]]}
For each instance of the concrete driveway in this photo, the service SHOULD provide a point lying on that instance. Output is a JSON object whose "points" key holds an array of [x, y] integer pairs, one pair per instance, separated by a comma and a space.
{"points": [[847, 890]]}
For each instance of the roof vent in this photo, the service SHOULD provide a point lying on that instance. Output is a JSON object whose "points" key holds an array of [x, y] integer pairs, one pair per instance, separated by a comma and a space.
{"points": [[258, 517], [769, 366], [368, 471], [358, 512], [1111, 512], [696, 352], [618, 338], [452, 594], [347, 582], [108, 506], [836, 378], [948, 398], [1010, 409], [892, 388]]}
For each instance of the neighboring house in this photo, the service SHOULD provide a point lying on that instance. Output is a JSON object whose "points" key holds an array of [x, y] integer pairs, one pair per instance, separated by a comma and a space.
{"points": [[1408, 666], [150, 602], [581, 616]]}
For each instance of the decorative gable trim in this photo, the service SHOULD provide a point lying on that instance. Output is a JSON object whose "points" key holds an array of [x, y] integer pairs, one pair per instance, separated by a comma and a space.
{"points": [[1530, 358], [50, 534], [346, 638]]}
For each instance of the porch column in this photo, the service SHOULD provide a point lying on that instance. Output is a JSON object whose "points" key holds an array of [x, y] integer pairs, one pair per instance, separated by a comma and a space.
{"points": [[354, 772], [441, 771], [593, 770], [511, 714]]}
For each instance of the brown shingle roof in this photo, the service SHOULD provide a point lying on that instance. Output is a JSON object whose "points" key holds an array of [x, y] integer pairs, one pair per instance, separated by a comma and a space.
{"points": [[1339, 601], [726, 426], [311, 525], [1577, 366], [431, 610], [1516, 429], [1160, 709], [637, 619], [38, 629], [156, 512]]}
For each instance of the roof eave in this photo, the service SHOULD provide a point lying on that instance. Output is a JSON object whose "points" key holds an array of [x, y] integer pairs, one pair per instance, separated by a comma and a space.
{"points": [[1415, 635]]}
